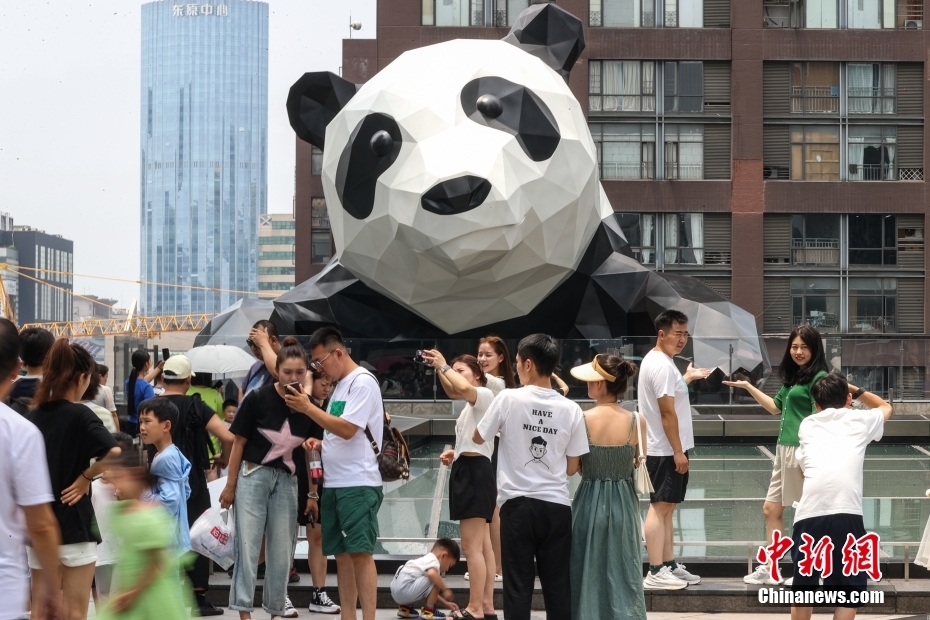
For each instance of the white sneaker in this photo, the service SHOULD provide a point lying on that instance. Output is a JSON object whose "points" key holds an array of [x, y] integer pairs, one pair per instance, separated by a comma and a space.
{"points": [[762, 576], [685, 576], [289, 610], [663, 580], [466, 575], [788, 581]]}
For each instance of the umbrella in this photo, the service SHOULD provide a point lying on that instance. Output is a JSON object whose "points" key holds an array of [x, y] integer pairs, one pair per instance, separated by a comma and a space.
{"points": [[219, 359], [232, 325]]}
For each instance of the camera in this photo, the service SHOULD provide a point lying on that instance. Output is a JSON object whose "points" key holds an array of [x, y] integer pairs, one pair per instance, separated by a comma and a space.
{"points": [[419, 359]]}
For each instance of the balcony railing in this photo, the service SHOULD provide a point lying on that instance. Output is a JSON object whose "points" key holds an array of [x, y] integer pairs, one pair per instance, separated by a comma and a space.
{"points": [[824, 321], [871, 172], [686, 172], [872, 324], [814, 252], [618, 170], [815, 99]]}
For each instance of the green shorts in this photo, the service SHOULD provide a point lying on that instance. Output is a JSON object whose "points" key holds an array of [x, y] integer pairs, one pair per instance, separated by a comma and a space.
{"points": [[350, 519]]}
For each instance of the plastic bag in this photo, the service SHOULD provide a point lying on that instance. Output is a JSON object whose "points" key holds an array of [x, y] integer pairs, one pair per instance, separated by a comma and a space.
{"points": [[213, 536]]}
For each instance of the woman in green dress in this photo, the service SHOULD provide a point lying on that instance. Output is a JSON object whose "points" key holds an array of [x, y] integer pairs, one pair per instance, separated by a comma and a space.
{"points": [[607, 564], [147, 583]]}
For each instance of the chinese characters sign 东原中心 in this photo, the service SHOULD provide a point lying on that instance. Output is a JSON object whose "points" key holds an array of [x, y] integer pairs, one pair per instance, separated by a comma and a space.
{"points": [[191, 10]]}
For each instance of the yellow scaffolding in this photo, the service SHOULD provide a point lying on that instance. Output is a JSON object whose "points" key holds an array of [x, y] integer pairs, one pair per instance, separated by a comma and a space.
{"points": [[144, 326]]}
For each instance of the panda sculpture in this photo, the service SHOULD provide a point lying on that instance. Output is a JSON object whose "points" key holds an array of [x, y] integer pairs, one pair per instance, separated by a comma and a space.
{"points": [[463, 195]]}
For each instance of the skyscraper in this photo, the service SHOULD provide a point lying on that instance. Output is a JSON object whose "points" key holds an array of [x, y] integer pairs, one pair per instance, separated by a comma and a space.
{"points": [[204, 136]]}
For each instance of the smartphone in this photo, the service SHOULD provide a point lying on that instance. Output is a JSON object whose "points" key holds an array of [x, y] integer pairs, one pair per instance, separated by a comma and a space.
{"points": [[165, 354], [295, 385]]}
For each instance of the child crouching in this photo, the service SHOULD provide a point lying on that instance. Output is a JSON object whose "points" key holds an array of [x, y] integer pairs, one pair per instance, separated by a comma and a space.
{"points": [[422, 579]]}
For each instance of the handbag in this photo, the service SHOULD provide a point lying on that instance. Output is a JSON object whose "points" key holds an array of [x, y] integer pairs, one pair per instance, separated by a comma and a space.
{"points": [[641, 481]]}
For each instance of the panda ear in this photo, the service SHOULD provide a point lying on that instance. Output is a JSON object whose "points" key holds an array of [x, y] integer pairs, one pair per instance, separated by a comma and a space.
{"points": [[550, 33], [313, 101]]}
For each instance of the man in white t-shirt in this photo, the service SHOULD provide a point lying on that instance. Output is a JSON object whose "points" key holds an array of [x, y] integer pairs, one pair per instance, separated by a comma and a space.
{"points": [[831, 456], [25, 498], [352, 480], [542, 439], [664, 403]]}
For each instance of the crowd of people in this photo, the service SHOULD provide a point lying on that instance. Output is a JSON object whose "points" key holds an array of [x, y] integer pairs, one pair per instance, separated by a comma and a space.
{"points": [[78, 484]]}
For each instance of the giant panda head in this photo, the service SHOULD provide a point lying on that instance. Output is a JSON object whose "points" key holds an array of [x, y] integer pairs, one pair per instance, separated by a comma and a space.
{"points": [[461, 180]]}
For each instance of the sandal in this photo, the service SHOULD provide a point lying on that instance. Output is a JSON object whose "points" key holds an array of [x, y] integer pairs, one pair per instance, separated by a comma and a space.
{"points": [[462, 614], [490, 616]]}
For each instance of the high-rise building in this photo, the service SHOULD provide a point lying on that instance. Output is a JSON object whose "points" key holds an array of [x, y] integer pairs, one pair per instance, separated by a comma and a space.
{"points": [[276, 252], [204, 134], [43, 291], [773, 149]]}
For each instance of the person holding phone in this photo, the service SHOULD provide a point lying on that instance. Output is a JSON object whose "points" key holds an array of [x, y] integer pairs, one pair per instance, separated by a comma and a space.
{"points": [[262, 482], [804, 363]]}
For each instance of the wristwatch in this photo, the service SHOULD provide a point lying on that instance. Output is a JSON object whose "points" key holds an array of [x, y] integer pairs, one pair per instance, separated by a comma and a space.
{"points": [[858, 393], [445, 368]]}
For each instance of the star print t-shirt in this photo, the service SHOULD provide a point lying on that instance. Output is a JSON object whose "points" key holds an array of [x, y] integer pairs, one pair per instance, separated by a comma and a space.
{"points": [[539, 428], [274, 432]]}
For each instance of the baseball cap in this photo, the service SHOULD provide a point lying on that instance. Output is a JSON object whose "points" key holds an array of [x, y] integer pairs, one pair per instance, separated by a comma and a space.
{"points": [[178, 367]]}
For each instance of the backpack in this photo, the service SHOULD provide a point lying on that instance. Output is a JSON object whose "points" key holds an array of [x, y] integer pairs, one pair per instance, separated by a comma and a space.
{"points": [[394, 456], [193, 441]]}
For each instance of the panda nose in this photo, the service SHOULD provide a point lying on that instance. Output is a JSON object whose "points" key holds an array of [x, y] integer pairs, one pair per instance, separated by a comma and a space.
{"points": [[456, 195]]}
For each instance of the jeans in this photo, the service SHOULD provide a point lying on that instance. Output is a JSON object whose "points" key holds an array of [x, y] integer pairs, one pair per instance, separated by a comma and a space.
{"points": [[266, 501], [533, 529]]}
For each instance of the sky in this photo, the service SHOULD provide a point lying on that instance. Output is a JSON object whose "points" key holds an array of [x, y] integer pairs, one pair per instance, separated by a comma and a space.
{"points": [[69, 118]]}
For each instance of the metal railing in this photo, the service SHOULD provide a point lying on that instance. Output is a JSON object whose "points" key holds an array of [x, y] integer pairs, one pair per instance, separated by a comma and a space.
{"points": [[881, 324], [618, 170], [816, 99], [676, 171]]}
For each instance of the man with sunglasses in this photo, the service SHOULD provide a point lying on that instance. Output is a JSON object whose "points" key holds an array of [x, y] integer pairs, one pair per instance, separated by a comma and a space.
{"points": [[353, 492]]}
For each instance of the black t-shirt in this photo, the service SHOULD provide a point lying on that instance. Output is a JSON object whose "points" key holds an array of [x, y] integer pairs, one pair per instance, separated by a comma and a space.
{"points": [[73, 436], [195, 448], [274, 432]]}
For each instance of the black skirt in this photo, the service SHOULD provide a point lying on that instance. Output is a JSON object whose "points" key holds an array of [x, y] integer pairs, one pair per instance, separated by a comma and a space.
{"points": [[472, 489]]}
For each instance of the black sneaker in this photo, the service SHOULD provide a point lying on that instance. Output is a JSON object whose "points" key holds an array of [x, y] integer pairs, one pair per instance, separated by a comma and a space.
{"points": [[294, 577], [206, 608], [321, 603]]}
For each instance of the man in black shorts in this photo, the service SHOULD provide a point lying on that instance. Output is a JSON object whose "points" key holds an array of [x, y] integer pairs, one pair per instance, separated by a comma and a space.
{"points": [[664, 404], [831, 454]]}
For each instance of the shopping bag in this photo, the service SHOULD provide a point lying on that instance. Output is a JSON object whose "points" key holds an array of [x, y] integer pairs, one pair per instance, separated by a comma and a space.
{"points": [[641, 481], [213, 536]]}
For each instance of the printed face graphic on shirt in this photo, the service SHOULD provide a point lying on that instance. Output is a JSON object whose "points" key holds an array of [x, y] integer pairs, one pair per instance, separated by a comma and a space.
{"points": [[537, 450]]}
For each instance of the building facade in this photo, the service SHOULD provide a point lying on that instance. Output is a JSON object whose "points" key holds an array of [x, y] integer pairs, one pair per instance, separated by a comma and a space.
{"points": [[43, 257], [204, 133], [275, 253], [772, 149]]}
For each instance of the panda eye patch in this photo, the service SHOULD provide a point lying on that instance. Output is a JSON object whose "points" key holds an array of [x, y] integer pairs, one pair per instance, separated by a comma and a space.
{"points": [[372, 148], [503, 105]]}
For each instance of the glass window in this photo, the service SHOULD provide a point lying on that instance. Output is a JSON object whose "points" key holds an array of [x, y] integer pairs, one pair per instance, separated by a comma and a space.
{"points": [[283, 240], [815, 240], [319, 216], [276, 256], [626, 151], [684, 151], [815, 87], [815, 152], [640, 233], [870, 14], [621, 86], [621, 13], [870, 88], [872, 304], [871, 153], [781, 14], [320, 248], [275, 271], [684, 13], [684, 239], [910, 14], [873, 240], [468, 12], [283, 225], [684, 87], [316, 160], [820, 13], [816, 301]]}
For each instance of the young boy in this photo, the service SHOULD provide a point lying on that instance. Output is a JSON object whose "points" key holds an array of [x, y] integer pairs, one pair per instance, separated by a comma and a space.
{"points": [[422, 578], [170, 470], [229, 411]]}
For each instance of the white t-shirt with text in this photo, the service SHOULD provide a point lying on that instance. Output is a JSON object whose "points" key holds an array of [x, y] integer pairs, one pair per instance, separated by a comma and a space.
{"points": [[831, 456], [467, 422], [539, 428], [24, 481], [658, 377], [352, 462]]}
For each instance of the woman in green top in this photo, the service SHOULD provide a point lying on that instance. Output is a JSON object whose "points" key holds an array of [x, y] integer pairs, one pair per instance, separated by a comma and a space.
{"points": [[804, 362]]}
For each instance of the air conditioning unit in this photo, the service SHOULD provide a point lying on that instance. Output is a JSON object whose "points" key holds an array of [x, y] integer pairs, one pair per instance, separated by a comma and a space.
{"points": [[913, 24], [770, 172]]}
